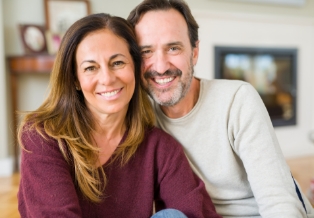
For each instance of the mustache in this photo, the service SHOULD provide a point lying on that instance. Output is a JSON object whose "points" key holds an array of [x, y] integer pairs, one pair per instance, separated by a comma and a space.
{"points": [[152, 73]]}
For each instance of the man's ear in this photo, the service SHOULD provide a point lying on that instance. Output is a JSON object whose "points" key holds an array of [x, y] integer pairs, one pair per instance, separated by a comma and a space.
{"points": [[195, 52]]}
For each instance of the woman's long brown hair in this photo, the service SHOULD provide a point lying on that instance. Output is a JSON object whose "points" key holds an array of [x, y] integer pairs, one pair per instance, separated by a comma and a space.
{"points": [[64, 116]]}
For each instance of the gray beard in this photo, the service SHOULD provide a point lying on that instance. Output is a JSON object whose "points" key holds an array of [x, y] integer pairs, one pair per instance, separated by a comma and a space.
{"points": [[178, 93]]}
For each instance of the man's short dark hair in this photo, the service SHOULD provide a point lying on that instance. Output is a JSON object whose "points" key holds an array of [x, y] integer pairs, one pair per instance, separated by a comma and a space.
{"points": [[178, 5]]}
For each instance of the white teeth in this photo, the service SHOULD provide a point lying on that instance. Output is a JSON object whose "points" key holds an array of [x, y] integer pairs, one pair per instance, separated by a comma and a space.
{"points": [[109, 94], [163, 81]]}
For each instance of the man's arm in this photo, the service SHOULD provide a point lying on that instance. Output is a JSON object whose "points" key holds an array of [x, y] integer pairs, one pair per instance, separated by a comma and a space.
{"points": [[256, 144]]}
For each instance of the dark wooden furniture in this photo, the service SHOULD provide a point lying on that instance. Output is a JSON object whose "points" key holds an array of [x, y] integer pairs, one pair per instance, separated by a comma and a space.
{"points": [[25, 64]]}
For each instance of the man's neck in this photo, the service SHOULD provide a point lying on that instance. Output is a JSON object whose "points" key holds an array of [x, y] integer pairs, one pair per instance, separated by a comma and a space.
{"points": [[186, 104]]}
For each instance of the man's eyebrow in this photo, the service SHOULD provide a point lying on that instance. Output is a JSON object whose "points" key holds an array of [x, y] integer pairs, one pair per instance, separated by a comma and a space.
{"points": [[145, 46], [175, 43], [168, 44]]}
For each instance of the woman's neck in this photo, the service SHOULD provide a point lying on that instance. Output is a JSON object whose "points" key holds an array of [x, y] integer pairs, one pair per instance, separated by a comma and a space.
{"points": [[107, 135]]}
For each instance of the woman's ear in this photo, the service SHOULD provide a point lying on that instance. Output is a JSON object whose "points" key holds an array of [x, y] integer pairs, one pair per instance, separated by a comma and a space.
{"points": [[77, 85]]}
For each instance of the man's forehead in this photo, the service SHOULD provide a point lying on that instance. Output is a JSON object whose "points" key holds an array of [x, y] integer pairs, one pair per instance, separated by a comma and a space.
{"points": [[154, 17], [163, 25]]}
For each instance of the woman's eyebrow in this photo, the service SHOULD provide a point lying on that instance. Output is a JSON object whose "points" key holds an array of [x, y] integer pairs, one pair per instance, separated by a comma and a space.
{"points": [[111, 57], [88, 61]]}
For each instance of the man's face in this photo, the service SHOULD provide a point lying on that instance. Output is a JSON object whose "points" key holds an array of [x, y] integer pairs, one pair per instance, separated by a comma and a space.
{"points": [[167, 55]]}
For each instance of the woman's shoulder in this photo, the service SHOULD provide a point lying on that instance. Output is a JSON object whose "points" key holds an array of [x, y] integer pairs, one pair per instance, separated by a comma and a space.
{"points": [[158, 134], [161, 140], [34, 138]]}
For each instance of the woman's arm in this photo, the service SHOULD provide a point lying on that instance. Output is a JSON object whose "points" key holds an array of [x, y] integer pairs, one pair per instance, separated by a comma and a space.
{"points": [[46, 186], [179, 187]]}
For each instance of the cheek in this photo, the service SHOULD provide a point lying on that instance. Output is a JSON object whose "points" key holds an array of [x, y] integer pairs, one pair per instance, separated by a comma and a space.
{"points": [[86, 84], [82, 82], [132, 83], [145, 65], [129, 79], [133, 87], [143, 70], [178, 62], [181, 62]]}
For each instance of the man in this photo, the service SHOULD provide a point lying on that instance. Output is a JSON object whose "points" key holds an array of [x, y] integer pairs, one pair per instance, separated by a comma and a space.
{"points": [[223, 125]]}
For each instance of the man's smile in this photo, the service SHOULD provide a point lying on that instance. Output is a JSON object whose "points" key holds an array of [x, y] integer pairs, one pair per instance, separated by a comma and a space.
{"points": [[162, 81]]}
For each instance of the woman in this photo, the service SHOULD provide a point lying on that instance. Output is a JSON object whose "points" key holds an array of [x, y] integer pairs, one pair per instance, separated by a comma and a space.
{"points": [[90, 150]]}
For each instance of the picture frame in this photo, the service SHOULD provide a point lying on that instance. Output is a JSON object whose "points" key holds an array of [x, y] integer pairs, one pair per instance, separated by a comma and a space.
{"points": [[61, 14], [33, 38], [271, 71], [53, 42]]}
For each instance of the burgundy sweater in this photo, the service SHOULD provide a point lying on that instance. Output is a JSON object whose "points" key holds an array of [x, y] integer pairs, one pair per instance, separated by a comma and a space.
{"points": [[159, 171]]}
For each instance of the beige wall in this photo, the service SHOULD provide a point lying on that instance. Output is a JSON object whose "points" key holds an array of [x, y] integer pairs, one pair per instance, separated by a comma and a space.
{"points": [[307, 10], [14, 13], [33, 88], [6, 163], [3, 127]]}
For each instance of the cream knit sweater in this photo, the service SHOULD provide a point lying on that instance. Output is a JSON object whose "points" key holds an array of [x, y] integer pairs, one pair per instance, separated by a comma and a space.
{"points": [[230, 142]]}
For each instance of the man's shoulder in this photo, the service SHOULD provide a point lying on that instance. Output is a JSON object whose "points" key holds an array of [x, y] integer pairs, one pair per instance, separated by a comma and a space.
{"points": [[221, 86], [223, 83]]}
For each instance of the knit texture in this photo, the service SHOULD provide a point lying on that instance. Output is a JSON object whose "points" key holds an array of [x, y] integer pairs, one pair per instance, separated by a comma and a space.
{"points": [[158, 171], [230, 142]]}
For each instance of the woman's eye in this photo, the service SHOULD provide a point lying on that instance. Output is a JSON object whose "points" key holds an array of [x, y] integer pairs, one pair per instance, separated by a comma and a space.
{"points": [[118, 63], [91, 68]]}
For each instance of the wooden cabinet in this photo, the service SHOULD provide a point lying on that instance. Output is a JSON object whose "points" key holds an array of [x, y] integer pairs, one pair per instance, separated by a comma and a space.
{"points": [[30, 64], [25, 64]]}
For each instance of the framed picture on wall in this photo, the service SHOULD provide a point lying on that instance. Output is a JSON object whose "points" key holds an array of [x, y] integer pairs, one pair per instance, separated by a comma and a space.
{"points": [[33, 38], [61, 14], [53, 42], [271, 71]]}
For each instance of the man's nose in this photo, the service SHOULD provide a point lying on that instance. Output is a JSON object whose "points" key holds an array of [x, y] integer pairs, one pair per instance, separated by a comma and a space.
{"points": [[161, 62]]}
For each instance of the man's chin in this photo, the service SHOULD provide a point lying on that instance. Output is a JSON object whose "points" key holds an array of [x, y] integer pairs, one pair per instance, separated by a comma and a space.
{"points": [[163, 101]]}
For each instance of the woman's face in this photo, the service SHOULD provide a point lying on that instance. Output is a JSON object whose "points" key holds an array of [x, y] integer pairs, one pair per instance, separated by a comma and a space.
{"points": [[105, 72]]}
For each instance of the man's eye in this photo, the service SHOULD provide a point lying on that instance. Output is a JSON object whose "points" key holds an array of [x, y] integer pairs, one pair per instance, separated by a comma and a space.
{"points": [[146, 52], [174, 49]]}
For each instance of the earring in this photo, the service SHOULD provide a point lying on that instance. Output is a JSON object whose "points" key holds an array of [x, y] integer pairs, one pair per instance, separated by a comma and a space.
{"points": [[77, 88]]}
